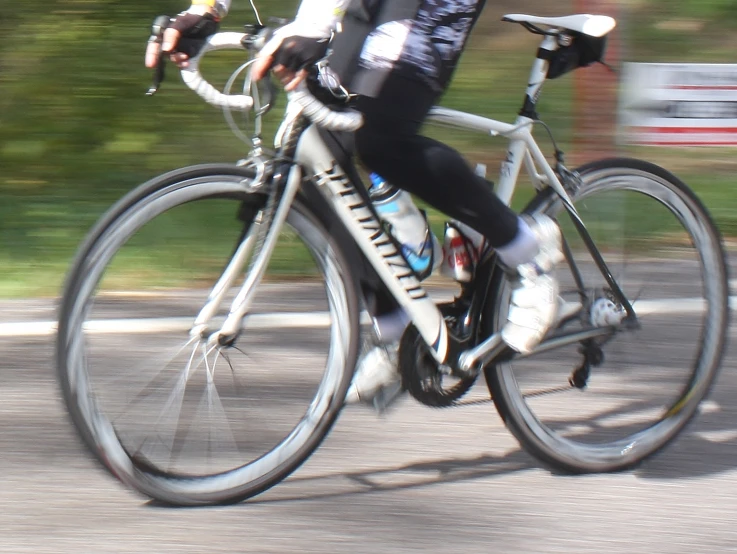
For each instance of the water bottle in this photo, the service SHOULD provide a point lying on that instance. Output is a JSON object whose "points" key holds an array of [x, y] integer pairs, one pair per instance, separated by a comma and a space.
{"points": [[462, 248], [408, 225]]}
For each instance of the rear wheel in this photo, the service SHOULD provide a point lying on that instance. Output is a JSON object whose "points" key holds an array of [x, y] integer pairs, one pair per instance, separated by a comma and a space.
{"points": [[176, 417], [640, 386]]}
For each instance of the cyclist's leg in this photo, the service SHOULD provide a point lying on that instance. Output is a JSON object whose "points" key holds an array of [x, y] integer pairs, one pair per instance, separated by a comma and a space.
{"points": [[390, 145]]}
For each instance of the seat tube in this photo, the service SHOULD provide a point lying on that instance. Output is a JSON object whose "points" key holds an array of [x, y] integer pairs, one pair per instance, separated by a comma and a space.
{"points": [[510, 168], [538, 76]]}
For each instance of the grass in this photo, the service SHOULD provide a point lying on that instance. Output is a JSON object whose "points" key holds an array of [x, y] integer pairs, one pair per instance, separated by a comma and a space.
{"points": [[189, 246]]}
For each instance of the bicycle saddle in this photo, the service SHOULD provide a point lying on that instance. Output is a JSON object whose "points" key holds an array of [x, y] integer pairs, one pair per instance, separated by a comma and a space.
{"points": [[591, 25]]}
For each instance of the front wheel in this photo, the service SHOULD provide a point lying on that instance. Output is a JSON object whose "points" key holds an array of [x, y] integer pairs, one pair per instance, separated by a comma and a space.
{"points": [[637, 387], [177, 417]]}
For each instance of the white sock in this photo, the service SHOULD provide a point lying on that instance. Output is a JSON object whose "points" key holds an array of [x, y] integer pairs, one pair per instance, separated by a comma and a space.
{"points": [[522, 249]]}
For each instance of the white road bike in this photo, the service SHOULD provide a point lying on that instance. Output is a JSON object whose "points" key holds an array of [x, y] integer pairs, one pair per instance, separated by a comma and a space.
{"points": [[191, 403]]}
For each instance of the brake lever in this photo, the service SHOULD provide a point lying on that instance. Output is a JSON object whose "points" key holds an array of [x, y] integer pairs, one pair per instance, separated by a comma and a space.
{"points": [[268, 92], [159, 75], [157, 33], [256, 38]]}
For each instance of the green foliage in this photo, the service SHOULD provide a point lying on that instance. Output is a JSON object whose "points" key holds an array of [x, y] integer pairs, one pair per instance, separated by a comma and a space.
{"points": [[719, 11], [77, 131]]}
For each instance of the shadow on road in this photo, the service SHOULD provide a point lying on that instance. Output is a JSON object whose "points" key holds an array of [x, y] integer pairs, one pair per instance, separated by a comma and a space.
{"points": [[403, 477], [708, 446]]}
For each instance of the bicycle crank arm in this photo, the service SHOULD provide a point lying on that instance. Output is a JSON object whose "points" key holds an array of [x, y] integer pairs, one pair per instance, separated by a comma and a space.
{"points": [[564, 340], [471, 361]]}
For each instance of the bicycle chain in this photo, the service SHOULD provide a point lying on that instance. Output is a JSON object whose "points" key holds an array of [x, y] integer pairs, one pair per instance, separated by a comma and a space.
{"points": [[421, 374]]}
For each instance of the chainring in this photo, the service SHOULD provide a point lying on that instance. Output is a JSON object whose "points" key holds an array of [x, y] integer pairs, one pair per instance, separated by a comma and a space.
{"points": [[422, 377]]}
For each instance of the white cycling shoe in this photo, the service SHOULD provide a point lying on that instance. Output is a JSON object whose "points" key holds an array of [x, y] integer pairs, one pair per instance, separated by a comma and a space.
{"points": [[377, 381], [534, 304]]}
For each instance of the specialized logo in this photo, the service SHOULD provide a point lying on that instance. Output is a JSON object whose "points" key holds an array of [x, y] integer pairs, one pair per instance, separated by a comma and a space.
{"points": [[344, 192]]}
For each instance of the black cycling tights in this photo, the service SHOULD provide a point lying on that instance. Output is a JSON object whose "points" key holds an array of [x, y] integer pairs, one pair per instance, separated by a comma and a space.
{"points": [[389, 144]]}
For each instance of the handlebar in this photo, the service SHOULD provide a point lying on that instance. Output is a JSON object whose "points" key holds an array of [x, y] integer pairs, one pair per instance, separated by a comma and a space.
{"points": [[312, 108], [193, 78]]}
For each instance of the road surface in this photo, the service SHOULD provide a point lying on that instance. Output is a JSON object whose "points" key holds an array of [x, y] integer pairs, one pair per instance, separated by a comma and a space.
{"points": [[415, 479]]}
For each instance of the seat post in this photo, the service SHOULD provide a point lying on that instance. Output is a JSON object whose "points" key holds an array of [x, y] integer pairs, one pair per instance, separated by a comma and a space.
{"points": [[538, 75]]}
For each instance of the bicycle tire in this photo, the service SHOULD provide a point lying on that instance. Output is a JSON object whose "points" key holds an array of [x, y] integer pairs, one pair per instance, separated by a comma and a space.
{"points": [[569, 454], [98, 431]]}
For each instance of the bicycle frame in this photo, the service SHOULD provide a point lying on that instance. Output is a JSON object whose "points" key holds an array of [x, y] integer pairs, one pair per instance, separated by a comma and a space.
{"points": [[368, 234], [312, 155]]}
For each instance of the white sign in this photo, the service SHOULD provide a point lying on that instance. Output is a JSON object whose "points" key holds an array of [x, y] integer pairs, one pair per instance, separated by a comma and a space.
{"points": [[678, 104]]}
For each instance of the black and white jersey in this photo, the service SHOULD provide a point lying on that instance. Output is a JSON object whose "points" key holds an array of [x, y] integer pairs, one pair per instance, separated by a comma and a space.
{"points": [[425, 41], [430, 44]]}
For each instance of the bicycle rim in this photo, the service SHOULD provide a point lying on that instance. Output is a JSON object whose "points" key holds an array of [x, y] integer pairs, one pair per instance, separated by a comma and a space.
{"points": [[176, 418], [665, 253]]}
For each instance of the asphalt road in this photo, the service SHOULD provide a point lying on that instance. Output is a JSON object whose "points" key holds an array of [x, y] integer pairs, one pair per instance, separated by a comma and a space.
{"points": [[415, 479]]}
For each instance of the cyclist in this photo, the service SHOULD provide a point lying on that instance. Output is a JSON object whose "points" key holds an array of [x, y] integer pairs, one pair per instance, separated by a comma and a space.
{"points": [[402, 68]]}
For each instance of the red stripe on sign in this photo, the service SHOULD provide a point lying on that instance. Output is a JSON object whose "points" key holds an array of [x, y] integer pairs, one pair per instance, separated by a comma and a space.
{"points": [[702, 87], [688, 143], [683, 130]]}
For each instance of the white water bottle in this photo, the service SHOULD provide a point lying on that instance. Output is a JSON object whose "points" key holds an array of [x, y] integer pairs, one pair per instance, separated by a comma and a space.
{"points": [[409, 226]]}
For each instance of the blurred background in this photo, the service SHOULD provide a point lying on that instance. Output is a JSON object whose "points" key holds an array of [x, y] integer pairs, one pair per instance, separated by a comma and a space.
{"points": [[77, 131]]}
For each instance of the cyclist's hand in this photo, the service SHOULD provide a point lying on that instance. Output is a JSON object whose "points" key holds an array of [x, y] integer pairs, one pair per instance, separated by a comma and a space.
{"points": [[288, 58], [184, 37]]}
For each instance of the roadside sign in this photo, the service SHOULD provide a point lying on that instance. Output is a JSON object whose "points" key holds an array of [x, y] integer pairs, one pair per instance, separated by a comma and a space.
{"points": [[678, 104]]}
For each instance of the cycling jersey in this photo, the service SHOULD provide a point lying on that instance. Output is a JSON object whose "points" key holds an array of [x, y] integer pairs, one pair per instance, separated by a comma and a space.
{"points": [[419, 38], [427, 45]]}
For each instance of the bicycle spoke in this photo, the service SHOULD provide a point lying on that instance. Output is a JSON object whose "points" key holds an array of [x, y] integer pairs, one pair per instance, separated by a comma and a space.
{"points": [[162, 361], [169, 414]]}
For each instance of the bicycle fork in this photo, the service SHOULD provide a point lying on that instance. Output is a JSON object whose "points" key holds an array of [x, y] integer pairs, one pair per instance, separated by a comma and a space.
{"points": [[256, 234]]}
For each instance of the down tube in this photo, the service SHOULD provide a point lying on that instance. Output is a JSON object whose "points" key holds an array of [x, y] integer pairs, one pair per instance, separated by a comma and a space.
{"points": [[373, 241]]}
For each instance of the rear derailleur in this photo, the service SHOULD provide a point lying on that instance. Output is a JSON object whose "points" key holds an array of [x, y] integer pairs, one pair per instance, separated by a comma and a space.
{"points": [[593, 356]]}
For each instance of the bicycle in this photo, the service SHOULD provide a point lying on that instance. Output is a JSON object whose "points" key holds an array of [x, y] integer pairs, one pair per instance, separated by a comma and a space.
{"points": [[154, 446]]}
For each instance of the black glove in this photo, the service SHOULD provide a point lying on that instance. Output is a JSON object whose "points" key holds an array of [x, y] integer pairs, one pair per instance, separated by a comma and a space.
{"points": [[296, 53], [195, 30]]}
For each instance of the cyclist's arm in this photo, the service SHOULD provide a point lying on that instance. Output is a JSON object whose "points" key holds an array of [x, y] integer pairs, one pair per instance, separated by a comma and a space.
{"points": [[219, 8], [300, 43], [187, 21], [316, 18]]}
